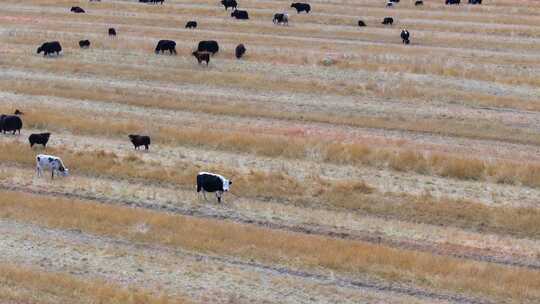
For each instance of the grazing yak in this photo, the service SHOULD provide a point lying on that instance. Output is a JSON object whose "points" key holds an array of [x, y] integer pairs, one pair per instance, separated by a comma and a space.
{"points": [[202, 56], [361, 23], [210, 46], [475, 1], [388, 20], [50, 48], [240, 51], [240, 15], [10, 123], [301, 7], [49, 162], [418, 3], [405, 36], [166, 45], [210, 182], [191, 24], [112, 32], [39, 139], [389, 4], [139, 140], [84, 44], [17, 112], [452, 2], [229, 3], [281, 18], [77, 10]]}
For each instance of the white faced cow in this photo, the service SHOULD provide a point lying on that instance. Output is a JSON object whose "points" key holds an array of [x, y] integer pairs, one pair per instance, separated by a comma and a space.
{"points": [[49, 162], [210, 182]]}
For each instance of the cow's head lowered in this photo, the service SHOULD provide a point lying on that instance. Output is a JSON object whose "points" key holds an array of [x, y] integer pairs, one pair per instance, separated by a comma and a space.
{"points": [[62, 169]]}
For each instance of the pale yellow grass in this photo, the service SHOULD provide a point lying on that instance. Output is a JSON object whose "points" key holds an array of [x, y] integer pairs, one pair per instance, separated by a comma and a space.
{"points": [[359, 60], [446, 165], [26, 285], [354, 195], [248, 242]]}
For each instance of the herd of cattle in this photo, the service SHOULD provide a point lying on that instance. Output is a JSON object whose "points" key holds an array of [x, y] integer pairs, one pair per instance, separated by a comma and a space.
{"points": [[207, 48], [206, 182]]}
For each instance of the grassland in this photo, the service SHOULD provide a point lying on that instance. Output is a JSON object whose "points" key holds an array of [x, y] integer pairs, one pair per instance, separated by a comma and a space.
{"points": [[364, 170]]}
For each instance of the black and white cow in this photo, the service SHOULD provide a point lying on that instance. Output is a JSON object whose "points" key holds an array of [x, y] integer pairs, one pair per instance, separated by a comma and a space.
{"points": [[211, 182], [49, 162], [405, 36]]}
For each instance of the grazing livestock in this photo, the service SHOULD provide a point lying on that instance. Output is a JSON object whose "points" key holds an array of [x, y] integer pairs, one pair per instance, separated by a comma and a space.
{"points": [[210, 182], [10, 123], [166, 45], [191, 24], [39, 139], [240, 15], [281, 18], [229, 3], [388, 20], [389, 4], [361, 23], [202, 56], [84, 44], [151, 1], [77, 10], [139, 140], [49, 162], [240, 51], [112, 32], [301, 7], [475, 1], [17, 112], [210, 46], [50, 48], [405, 36], [452, 2], [418, 3]]}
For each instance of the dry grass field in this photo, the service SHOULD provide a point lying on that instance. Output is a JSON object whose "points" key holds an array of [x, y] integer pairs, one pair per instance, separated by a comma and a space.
{"points": [[364, 170]]}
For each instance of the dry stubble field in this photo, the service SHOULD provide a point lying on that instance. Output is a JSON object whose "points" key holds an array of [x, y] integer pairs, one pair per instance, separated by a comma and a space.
{"points": [[365, 171]]}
